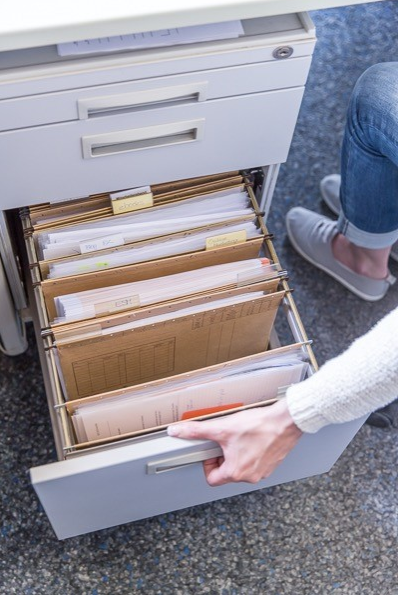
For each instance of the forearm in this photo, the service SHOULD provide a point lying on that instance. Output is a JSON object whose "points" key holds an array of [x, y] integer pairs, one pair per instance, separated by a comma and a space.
{"points": [[362, 379]]}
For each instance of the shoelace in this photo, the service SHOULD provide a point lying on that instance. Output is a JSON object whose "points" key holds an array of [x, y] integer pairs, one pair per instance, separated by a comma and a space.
{"points": [[322, 229]]}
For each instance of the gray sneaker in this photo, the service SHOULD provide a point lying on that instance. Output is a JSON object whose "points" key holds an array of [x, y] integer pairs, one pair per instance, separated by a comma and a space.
{"points": [[311, 235], [330, 192]]}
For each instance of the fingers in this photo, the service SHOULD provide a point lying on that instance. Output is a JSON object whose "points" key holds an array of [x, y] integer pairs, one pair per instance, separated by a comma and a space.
{"points": [[194, 430], [213, 469], [210, 465], [217, 474]]}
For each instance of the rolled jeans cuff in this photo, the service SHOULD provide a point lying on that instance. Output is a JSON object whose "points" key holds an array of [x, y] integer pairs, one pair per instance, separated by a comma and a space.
{"points": [[365, 239]]}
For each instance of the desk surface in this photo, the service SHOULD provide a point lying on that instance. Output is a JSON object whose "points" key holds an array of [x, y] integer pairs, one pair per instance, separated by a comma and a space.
{"points": [[31, 24]]}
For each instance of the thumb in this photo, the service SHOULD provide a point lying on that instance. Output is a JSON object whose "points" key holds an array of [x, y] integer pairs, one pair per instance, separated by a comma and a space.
{"points": [[192, 430]]}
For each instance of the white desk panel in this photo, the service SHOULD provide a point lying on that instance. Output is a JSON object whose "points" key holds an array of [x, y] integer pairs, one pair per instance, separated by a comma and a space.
{"points": [[31, 24]]}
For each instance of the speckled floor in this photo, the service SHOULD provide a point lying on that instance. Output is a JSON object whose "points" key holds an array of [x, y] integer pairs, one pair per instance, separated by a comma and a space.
{"points": [[336, 533]]}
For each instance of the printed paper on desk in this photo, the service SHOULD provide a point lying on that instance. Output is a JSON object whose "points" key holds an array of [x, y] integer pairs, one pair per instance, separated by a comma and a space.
{"points": [[143, 354], [153, 39]]}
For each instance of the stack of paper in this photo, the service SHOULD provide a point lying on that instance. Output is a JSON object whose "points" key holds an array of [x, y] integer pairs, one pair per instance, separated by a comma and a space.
{"points": [[92, 303], [241, 383], [170, 245], [123, 351], [153, 39], [145, 224]]}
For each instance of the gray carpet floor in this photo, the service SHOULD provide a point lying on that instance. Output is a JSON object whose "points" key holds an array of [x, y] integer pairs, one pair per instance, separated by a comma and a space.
{"points": [[335, 533]]}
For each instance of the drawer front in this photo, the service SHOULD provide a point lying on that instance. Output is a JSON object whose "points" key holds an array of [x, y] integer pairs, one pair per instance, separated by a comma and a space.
{"points": [[41, 70], [147, 147], [125, 484], [102, 100]]}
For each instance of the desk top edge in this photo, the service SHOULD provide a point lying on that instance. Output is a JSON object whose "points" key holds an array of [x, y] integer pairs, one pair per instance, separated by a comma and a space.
{"points": [[34, 24]]}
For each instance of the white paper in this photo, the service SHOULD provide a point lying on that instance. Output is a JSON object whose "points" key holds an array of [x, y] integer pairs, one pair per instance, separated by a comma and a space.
{"points": [[142, 225], [161, 248], [121, 415], [153, 39], [101, 243], [84, 304], [131, 192]]}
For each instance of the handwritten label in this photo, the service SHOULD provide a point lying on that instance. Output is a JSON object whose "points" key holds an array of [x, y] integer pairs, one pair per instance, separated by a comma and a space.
{"points": [[101, 243], [127, 303], [226, 239], [131, 200]]}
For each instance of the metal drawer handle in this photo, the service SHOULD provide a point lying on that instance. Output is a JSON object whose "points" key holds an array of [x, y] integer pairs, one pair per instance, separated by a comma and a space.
{"points": [[138, 139], [141, 100], [174, 463]]}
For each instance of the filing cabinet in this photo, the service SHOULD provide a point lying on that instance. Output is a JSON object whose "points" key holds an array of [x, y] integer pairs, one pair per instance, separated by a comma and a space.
{"points": [[73, 127]]}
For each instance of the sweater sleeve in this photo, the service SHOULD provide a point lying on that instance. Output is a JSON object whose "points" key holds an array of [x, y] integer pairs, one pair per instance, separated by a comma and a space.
{"points": [[359, 381]]}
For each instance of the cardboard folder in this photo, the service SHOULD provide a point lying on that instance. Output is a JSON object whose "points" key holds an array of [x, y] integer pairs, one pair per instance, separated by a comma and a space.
{"points": [[159, 386], [45, 217], [67, 333], [155, 351], [212, 230], [147, 270]]}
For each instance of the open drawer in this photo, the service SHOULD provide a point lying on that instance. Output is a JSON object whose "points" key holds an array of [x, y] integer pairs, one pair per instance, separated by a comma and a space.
{"points": [[123, 478]]}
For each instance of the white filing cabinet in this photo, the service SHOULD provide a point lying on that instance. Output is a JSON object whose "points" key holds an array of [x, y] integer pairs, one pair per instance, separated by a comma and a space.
{"points": [[70, 127]]}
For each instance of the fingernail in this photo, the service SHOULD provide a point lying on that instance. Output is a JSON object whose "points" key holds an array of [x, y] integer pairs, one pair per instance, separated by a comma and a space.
{"points": [[173, 431]]}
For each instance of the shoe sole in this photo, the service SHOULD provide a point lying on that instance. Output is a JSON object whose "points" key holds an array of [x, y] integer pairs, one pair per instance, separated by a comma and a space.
{"points": [[332, 207], [335, 276]]}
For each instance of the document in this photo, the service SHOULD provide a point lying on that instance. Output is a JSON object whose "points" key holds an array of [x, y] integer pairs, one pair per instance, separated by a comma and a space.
{"points": [[153, 39], [67, 333], [163, 247], [70, 212], [54, 288], [90, 331], [146, 224], [173, 345], [179, 399], [98, 302]]}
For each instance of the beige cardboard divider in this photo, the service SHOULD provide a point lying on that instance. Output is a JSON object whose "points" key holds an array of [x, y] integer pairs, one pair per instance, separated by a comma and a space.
{"points": [[167, 348], [212, 229], [147, 270], [67, 333], [162, 383], [99, 207]]}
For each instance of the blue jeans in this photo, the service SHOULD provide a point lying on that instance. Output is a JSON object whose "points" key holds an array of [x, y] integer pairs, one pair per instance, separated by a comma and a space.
{"points": [[369, 160]]}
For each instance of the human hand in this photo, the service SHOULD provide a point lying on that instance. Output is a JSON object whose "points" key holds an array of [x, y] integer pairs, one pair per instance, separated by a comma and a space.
{"points": [[254, 442]]}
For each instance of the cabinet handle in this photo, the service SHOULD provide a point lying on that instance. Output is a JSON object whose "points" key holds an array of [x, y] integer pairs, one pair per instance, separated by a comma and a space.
{"points": [[177, 462], [137, 139], [108, 105]]}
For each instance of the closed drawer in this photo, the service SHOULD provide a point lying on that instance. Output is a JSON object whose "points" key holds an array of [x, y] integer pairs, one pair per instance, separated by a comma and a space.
{"points": [[97, 101], [37, 74], [147, 146]]}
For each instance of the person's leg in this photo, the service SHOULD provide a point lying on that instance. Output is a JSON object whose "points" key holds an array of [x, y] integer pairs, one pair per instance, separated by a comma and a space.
{"points": [[355, 251], [330, 192], [368, 262], [369, 174]]}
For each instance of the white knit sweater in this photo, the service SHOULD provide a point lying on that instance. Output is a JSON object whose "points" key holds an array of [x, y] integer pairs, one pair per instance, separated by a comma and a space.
{"points": [[359, 381]]}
